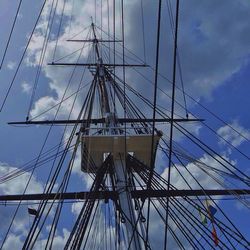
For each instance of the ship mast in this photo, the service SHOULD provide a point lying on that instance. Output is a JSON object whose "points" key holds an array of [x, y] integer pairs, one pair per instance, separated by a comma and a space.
{"points": [[119, 156]]}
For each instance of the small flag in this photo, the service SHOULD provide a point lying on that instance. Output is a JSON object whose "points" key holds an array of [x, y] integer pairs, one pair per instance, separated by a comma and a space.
{"points": [[211, 210], [203, 217], [32, 211], [215, 237]]}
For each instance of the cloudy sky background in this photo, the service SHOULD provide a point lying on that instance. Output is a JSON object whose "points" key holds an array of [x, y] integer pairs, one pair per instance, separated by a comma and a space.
{"points": [[214, 51]]}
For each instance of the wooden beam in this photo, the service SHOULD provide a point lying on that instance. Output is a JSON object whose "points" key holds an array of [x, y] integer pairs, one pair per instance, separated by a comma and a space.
{"points": [[94, 40], [102, 120], [142, 194], [96, 64]]}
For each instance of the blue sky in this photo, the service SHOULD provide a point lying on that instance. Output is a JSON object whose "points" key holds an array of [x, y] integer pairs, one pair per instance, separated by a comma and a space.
{"points": [[214, 55]]}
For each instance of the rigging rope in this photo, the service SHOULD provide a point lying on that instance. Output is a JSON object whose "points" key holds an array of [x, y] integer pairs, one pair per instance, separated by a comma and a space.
{"points": [[170, 14], [22, 57], [42, 55], [143, 32], [10, 35], [59, 29]]}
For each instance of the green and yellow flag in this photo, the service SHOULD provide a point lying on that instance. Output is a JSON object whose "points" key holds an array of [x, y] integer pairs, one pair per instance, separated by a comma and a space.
{"points": [[203, 217]]}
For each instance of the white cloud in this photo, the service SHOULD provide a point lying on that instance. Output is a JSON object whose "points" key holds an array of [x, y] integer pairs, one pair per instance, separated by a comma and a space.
{"points": [[206, 56], [88, 181], [228, 132], [156, 223], [201, 73], [60, 76], [195, 168], [21, 222], [76, 208], [58, 242], [16, 241], [16, 186], [205, 43], [13, 242], [98, 222], [43, 104], [11, 65], [26, 87]]}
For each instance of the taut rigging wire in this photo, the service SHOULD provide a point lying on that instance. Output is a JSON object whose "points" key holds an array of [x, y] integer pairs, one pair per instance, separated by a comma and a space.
{"points": [[59, 29], [49, 189], [193, 138], [170, 14], [22, 57], [71, 15], [204, 123], [59, 103], [191, 200], [42, 55], [212, 200], [243, 154], [186, 94], [59, 207], [15, 213], [143, 31], [10, 35], [172, 115]]}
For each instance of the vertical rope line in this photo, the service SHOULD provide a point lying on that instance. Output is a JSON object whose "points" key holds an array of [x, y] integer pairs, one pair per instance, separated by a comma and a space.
{"points": [[155, 91], [71, 15], [11, 32], [42, 56], [114, 46], [21, 60], [124, 89], [101, 26], [154, 113], [172, 116], [95, 11], [143, 32], [108, 30], [170, 12], [59, 28]]}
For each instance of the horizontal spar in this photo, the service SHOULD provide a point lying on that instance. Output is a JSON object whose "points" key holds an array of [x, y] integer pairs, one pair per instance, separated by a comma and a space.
{"points": [[187, 193], [102, 120], [94, 41], [142, 194], [97, 64], [65, 196]]}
